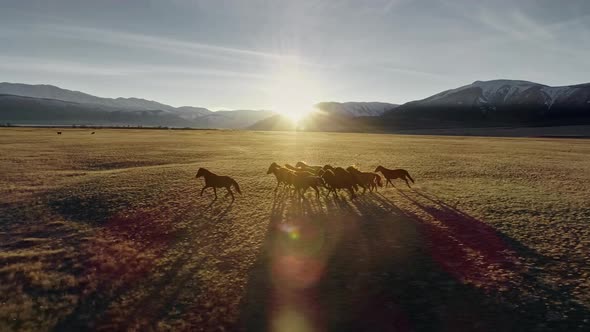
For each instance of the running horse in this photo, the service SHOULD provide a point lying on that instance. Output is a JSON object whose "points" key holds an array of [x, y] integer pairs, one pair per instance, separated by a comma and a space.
{"points": [[391, 174], [215, 181]]}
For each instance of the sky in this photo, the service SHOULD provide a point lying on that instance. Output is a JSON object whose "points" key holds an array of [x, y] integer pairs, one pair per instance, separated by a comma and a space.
{"points": [[277, 54]]}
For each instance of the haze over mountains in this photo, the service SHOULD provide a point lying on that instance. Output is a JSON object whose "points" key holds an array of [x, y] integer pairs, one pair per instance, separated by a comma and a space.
{"points": [[47, 104], [482, 103]]}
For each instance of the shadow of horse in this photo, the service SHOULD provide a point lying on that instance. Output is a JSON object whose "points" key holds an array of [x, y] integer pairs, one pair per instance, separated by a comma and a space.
{"points": [[141, 304], [368, 265], [503, 267]]}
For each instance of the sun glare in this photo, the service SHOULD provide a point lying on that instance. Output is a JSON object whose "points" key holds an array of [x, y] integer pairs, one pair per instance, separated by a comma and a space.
{"points": [[293, 93]]}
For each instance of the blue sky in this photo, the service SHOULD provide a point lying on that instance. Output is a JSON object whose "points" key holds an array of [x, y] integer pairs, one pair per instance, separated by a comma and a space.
{"points": [[266, 54]]}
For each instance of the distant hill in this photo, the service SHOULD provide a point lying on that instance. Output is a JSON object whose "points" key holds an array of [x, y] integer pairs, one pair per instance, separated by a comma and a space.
{"points": [[496, 102], [47, 104], [480, 104], [52, 92], [316, 121], [329, 116], [28, 110], [355, 109]]}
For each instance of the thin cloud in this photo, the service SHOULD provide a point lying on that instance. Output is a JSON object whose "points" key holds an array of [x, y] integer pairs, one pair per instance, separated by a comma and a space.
{"points": [[517, 27], [31, 64], [34, 64], [413, 72], [169, 45]]}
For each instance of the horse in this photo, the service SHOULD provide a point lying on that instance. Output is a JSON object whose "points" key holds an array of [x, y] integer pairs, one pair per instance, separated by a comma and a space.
{"points": [[391, 174], [214, 181], [336, 179], [312, 169], [59, 132], [92, 133], [291, 167], [283, 175], [365, 179], [304, 180]]}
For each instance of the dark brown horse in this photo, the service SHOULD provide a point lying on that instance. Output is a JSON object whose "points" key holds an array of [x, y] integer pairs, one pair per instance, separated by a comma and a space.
{"points": [[214, 181], [391, 174], [305, 167], [338, 179], [365, 179], [304, 180]]}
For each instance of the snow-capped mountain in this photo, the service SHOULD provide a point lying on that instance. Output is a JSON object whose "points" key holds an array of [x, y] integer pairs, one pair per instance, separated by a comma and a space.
{"points": [[496, 102], [490, 95], [355, 109]]}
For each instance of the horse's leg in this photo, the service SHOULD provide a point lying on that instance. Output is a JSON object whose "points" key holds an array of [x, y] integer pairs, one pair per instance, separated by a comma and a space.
{"points": [[407, 182], [215, 191], [229, 192], [317, 192], [352, 194], [205, 187], [297, 192]]}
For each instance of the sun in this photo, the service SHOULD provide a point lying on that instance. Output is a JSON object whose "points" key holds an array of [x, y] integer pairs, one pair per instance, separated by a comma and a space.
{"points": [[293, 93], [295, 117]]}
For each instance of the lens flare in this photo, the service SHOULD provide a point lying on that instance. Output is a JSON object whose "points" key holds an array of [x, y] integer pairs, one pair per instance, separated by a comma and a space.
{"points": [[298, 263]]}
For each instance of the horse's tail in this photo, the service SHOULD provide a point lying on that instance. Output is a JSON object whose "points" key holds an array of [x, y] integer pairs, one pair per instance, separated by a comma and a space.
{"points": [[235, 184], [378, 180], [409, 177]]}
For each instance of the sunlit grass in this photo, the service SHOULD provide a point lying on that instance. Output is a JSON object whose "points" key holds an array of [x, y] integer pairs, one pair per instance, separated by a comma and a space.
{"points": [[115, 218]]}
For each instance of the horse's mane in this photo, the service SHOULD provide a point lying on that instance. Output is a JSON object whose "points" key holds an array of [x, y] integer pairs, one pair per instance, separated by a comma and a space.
{"points": [[291, 167], [203, 170]]}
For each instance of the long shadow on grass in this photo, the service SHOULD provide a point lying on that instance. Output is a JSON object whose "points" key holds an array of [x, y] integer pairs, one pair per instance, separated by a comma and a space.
{"points": [[362, 265], [524, 288], [140, 303]]}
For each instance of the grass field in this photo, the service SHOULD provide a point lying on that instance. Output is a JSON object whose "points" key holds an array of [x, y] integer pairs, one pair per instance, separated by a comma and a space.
{"points": [[107, 232]]}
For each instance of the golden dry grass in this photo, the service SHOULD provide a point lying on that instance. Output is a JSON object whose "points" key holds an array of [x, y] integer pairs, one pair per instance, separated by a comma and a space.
{"points": [[107, 231]]}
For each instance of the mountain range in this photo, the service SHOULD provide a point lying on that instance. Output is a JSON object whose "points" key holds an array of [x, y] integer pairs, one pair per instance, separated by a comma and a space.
{"points": [[47, 104], [482, 103], [496, 102], [51, 105]]}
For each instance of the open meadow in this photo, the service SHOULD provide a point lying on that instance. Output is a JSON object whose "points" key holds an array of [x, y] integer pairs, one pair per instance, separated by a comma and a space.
{"points": [[108, 232]]}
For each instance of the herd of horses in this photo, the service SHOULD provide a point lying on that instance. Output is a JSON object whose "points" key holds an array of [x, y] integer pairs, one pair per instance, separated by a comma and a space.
{"points": [[92, 133], [302, 176]]}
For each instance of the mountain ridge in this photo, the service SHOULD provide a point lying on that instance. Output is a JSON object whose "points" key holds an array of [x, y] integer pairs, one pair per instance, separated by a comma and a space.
{"points": [[194, 116], [481, 103], [496, 102]]}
